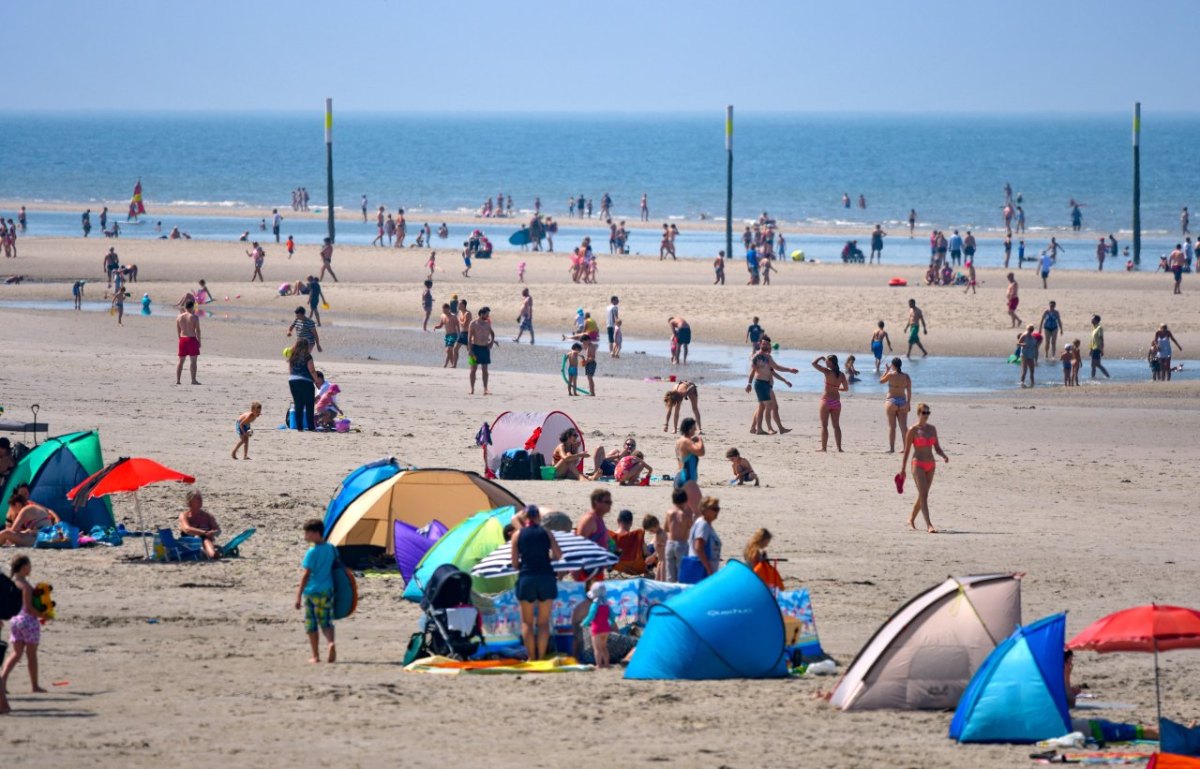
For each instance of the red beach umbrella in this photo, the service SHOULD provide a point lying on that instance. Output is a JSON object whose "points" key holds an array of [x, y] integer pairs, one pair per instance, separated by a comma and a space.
{"points": [[1151, 628], [126, 475]]}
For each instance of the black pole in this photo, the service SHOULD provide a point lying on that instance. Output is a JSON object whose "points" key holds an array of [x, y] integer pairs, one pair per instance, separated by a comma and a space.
{"points": [[329, 162], [729, 183], [1137, 183]]}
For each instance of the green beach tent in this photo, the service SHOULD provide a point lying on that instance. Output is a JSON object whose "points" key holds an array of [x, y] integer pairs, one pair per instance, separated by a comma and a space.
{"points": [[465, 545], [56, 467]]}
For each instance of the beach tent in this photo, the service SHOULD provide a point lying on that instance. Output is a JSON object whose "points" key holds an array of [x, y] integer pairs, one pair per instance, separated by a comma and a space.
{"points": [[465, 545], [516, 430], [1018, 694], [923, 657], [56, 467], [361, 517], [727, 626], [412, 544]]}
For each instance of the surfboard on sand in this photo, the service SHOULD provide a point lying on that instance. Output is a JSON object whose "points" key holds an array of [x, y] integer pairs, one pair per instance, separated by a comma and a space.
{"points": [[520, 238], [345, 592]]}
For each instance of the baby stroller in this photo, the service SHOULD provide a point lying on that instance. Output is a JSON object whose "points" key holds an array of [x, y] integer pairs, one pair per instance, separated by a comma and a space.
{"points": [[453, 627]]}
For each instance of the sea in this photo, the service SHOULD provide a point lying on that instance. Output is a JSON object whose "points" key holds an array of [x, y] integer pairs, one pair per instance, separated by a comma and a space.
{"points": [[950, 168]]}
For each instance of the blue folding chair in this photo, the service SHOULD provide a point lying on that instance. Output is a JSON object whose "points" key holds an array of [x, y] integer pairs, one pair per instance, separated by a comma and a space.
{"points": [[174, 550]]}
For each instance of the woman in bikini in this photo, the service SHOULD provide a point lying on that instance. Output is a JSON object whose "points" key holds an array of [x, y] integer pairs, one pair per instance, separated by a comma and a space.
{"points": [[25, 520], [688, 450], [922, 440], [674, 399], [899, 396], [567, 455], [831, 403]]}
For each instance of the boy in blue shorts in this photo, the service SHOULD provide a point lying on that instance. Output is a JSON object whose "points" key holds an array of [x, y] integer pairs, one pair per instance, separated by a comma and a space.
{"points": [[315, 593], [877, 339]]}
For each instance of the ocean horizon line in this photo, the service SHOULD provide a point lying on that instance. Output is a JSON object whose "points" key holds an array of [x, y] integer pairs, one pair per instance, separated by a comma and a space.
{"points": [[716, 112]]}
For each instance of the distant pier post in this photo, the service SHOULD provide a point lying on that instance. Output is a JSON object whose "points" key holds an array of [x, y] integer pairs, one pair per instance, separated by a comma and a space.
{"points": [[729, 182], [1137, 183], [329, 162]]}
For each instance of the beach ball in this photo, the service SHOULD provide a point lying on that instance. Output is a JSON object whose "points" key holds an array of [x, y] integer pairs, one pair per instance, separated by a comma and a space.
{"points": [[227, 297], [797, 255]]}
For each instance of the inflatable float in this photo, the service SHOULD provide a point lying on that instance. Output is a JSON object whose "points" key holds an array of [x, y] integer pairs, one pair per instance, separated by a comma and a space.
{"points": [[897, 282]]}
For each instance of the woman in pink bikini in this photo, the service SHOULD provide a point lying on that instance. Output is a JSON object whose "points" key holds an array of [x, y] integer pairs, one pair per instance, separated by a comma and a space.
{"points": [[922, 440], [831, 403]]}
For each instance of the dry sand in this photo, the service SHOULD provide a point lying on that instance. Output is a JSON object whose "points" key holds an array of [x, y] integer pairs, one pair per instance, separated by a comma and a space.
{"points": [[1089, 492]]}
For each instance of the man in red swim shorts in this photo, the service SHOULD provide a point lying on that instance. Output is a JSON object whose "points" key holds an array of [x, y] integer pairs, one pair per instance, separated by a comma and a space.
{"points": [[1012, 301], [187, 327]]}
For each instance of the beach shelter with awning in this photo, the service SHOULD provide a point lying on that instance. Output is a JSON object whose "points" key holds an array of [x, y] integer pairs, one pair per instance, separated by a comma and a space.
{"points": [[361, 517], [726, 626], [54, 468], [533, 431], [923, 657], [1019, 694]]}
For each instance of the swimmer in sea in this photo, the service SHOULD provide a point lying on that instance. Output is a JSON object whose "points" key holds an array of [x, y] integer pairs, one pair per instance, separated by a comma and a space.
{"points": [[831, 403]]}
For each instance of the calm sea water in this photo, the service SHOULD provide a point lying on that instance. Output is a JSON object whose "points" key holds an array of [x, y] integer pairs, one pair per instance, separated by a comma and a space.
{"points": [[950, 168]]}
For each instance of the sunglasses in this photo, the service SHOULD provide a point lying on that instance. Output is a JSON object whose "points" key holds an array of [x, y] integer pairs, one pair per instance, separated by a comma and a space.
{"points": [[924, 413]]}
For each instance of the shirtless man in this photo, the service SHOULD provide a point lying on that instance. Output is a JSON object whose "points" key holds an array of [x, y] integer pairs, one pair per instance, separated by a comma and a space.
{"points": [[525, 316], [449, 326], [682, 333], [197, 522], [1176, 264], [763, 373], [187, 328], [1012, 300], [464, 323], [482, 339], [679, 524], [915, 326]]}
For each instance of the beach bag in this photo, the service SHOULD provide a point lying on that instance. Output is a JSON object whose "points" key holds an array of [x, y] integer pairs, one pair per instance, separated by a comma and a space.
{"points": [[11, 599], [514, 465], [109, 536], [537, 461], [60, 536]]}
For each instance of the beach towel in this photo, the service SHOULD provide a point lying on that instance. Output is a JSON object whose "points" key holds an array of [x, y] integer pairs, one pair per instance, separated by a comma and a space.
{"points": [[446, 666]]}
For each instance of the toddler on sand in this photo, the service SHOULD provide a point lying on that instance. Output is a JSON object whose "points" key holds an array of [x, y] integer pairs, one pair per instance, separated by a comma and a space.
{"points": [[743, 473], [521, 272], [315, 593], [598, 618], [242, 426]]}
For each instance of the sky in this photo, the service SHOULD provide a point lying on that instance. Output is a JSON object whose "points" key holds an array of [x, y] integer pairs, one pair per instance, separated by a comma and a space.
{"points": [[613, 55]]}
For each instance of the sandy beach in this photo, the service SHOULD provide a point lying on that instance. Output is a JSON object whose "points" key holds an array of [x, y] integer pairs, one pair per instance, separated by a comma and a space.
{"points": [[1087, 491]]}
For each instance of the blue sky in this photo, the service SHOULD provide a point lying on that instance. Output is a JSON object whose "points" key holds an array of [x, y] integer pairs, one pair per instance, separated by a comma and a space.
{"points": [[649, 55]]}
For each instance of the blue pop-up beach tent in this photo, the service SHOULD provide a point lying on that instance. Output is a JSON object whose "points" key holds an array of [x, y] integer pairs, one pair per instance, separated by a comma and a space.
{"points": [[1019, 693], [727, 626]]}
